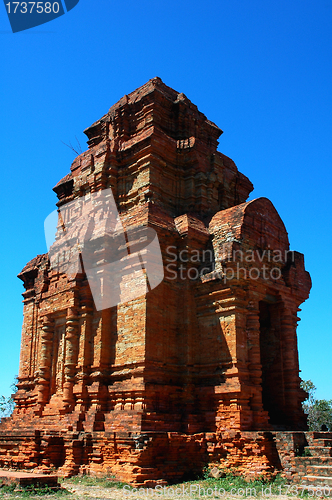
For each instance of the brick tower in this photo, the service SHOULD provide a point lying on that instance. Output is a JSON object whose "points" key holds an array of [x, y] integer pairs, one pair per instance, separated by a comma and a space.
{"points": [[212, 348]]}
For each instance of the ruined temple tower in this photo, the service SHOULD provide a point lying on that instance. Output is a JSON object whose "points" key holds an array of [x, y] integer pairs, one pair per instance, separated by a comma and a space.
{"points": [[212, 348]]}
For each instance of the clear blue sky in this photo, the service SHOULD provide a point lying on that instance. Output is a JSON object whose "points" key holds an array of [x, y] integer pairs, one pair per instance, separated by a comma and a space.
{"points": [[260, 69]]}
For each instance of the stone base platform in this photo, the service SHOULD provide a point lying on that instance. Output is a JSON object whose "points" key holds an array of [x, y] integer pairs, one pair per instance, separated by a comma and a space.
{"points": [[26, 479], [147, 458], [152, 458]]}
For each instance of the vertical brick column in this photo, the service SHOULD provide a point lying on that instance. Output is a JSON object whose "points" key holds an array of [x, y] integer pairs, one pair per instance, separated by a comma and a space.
{"points": [[254, 355], [43, 385], [102, 355], [72, 344], [98, 391], [85, 354]]}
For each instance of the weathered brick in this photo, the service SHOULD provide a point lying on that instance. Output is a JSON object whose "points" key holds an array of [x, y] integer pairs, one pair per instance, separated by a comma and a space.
{"points": [[194, 371]]}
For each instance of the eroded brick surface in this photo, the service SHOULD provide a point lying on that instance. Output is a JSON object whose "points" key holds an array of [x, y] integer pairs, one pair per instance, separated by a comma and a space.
{"points": [[155, 387]]}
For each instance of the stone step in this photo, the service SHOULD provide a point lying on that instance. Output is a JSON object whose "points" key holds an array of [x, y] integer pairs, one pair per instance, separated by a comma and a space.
{"points": [[322, 435], [320, 470], [319, 451], [314, 460], [322, 442], [318, 480]]}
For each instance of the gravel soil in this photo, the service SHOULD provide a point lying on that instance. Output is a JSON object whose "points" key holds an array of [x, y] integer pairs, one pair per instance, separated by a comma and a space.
{"points": [[74, 491]]}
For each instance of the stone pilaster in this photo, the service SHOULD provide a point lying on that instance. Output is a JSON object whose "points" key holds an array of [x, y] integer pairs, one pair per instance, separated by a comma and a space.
{"points": [[84, 356], [43, 383], [72, 337]]}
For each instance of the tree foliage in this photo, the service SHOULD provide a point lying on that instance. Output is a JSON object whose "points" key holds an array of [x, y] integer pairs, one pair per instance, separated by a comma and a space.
{"points": [[7, 404], [319, 411]]}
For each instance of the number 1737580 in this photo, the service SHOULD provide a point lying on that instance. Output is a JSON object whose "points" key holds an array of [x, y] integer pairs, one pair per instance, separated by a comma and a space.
{"points": [[32, 7]]}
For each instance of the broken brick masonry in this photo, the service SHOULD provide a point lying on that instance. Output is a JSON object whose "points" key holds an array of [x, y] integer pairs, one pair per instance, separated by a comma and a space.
{"points": [[195, 371]]}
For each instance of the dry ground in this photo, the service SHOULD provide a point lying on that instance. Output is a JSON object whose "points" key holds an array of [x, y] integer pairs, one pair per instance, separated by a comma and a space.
{"points": [[230, 488]]}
